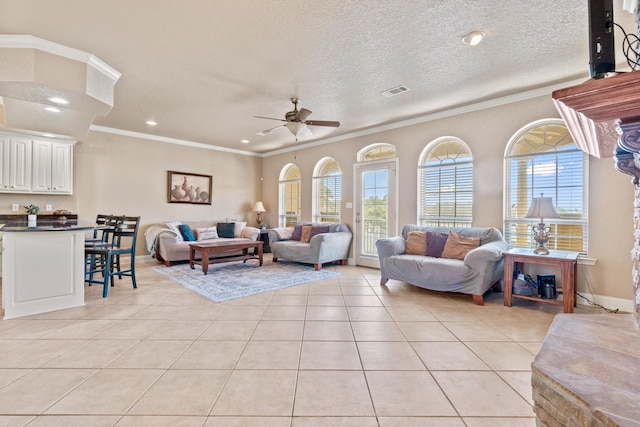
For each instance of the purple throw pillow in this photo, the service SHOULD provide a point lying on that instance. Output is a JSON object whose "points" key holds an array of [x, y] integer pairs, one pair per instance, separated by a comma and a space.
{"points": [[435, 243], [317, 229], [297, 232]]}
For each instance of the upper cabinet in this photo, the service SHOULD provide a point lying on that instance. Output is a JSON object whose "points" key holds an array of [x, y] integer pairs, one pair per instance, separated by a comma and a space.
{"points": [[52, 172], [35, 165], [15, 175]]}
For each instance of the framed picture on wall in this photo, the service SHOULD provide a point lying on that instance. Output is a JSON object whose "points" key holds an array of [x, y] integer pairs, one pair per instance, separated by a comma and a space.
{"points": [[191, 188]]}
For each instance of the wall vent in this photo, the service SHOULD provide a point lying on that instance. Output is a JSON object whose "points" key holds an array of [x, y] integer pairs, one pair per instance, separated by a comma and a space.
{"points": [[394, 91]]}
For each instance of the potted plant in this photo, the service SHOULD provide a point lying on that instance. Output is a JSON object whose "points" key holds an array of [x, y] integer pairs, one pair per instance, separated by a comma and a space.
{"points": [[32, 212]]}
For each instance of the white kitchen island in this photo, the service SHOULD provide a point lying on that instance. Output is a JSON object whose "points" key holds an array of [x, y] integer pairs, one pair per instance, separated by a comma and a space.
{"points": [[42, 266]]}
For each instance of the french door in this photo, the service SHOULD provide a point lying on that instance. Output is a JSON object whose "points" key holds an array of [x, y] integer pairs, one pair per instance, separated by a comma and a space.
{"points": [[375, 213]]}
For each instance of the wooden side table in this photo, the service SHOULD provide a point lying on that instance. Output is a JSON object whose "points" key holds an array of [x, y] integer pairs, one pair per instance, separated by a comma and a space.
{"points": [[567, 262], [264, 238]]}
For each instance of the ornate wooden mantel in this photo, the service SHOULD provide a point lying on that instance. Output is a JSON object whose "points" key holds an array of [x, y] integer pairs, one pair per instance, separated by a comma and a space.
{"points": [[603, 116], [586, 372]]}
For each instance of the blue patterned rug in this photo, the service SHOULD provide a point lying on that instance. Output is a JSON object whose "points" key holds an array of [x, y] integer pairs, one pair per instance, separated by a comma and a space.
{"points": [[225, 282]]}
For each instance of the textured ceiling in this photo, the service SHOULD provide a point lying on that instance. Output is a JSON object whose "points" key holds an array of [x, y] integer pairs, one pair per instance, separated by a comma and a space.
{"points": [[202, 69]]}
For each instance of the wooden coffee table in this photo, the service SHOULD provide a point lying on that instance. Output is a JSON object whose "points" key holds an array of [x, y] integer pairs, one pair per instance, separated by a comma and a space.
{"points": [[207, 248]]}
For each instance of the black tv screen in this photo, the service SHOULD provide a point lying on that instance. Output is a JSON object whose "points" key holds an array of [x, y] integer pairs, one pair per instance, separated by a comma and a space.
{"points": [[601, 43]]}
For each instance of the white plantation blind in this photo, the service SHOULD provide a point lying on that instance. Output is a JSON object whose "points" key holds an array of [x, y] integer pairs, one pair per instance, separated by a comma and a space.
{"points": [[327, 191], [289, 204], [445, 188], [543, 159]]}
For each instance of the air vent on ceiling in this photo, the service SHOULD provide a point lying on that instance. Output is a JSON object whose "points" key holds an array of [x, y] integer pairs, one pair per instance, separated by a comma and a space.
{"points": [[394, 91]]}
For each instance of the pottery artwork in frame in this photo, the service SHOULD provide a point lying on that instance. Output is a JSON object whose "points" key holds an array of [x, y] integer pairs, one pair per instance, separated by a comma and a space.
{"points": [[189, 188]]}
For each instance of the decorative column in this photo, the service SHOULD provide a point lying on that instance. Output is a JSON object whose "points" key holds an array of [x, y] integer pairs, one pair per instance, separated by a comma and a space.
{"points": [[627, 158]]}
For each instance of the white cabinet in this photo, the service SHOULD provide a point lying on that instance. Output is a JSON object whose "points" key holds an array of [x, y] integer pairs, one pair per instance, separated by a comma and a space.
{"points": [[15, 172], [52, 171], [35, 165]]}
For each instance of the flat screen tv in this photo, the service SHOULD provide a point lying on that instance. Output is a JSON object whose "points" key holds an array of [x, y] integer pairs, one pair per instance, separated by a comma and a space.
{"points": [[601, 43]]}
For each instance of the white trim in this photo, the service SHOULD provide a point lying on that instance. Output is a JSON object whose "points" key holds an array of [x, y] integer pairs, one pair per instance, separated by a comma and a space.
{"points": [[496, 102], [158, 138], [610, 303], [522, 96], [11, 41]]}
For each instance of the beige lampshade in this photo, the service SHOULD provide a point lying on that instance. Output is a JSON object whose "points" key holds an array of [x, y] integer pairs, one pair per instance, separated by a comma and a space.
{"points": [[259, 207], [542, 207]]}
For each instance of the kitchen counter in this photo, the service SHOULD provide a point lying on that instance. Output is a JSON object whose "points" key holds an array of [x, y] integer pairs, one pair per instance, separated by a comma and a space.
{"points": [[46, 225], [42, 266]]}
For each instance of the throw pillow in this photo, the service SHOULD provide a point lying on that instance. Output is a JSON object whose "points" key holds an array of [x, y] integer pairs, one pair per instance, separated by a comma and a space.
{"points": [[297, 232], [416, 243], [226, 229], [207, 233], [306, 233], [435, 243], [239, 228], [318, 229], [458, 246], [173, 226], [186, 232]]}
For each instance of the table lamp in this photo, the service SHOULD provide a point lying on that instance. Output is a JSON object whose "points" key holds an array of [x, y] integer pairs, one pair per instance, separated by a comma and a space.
{"points": [[259, 208], [541, 207]]}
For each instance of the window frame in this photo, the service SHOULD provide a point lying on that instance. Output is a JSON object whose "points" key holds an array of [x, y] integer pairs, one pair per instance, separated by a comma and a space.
{"points": [[559, 240], [329, 181], [465, 174], [285, 184]]}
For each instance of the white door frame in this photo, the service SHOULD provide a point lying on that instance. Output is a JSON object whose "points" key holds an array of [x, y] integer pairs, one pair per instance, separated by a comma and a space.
{"points": [[392, 217]]}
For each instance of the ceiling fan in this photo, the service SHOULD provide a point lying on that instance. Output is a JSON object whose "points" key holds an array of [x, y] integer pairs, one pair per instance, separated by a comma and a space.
{"points": [[296, 121]]}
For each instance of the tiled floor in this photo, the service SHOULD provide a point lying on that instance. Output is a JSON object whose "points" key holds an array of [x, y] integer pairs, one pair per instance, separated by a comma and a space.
{"points": [[340, 352]]}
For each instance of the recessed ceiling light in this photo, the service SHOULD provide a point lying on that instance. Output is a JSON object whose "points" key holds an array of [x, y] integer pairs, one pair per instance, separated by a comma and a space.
{"points": [[264, 132], [473, 38], [151, 123], [52, 109], [58, 100], [245, 141]]}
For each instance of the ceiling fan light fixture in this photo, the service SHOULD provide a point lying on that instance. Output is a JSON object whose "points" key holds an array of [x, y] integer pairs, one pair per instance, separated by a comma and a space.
{"points": [[299, 129], [473, 38]]}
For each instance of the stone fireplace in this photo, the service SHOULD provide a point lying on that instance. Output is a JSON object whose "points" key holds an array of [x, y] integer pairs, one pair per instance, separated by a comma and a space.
{"points": [[587, 372]]}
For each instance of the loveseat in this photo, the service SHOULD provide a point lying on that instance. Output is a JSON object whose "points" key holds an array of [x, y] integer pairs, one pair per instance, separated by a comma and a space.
{"points": [[311, 243], [166, 242], [457, 268]]}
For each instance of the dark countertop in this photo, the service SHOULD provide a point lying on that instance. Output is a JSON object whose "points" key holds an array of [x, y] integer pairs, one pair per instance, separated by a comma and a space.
{"points": [[47, 225]]}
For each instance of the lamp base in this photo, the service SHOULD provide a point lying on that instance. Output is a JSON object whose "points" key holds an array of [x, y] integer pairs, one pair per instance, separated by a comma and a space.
{"points": [[541, 250], [259, 219]]}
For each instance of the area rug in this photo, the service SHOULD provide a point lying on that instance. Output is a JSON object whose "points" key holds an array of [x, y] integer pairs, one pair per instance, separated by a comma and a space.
{"points": [[225, 282]]}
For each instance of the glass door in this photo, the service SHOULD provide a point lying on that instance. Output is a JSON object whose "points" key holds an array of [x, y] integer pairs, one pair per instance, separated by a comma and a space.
{"points": [[376, 208]]}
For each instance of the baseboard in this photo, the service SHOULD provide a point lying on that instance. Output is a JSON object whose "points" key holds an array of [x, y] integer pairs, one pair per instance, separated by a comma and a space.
{"points": [[610, 303]]}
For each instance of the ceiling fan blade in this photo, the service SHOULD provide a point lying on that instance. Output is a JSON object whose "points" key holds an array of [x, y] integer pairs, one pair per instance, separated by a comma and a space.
{"points": [[302, 114], [269, 118], [268, 131], [323, 123]]}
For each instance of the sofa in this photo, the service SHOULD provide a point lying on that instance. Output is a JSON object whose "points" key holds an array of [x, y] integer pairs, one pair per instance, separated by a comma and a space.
{"points": [[166, 242], [470, 264], [311, 243]]}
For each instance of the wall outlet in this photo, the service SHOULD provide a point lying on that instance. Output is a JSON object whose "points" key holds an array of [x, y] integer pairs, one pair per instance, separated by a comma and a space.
{"points": [[47, 208], [15, 207]]}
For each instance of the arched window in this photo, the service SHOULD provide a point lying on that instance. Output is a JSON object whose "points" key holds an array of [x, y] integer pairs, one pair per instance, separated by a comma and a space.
{"points": [[445, 184], [542, 158], [289, 205], [376, 152], [327, 191]]}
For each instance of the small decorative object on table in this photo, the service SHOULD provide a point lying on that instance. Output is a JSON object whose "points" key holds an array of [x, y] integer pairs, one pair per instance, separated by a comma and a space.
{"points": [[32, 212]]}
